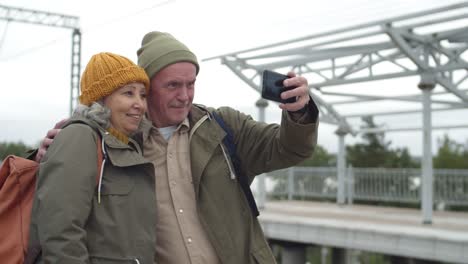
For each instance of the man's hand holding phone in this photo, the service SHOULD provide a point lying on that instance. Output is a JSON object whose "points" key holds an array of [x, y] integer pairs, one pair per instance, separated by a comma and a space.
{"points": [[291, 91]]}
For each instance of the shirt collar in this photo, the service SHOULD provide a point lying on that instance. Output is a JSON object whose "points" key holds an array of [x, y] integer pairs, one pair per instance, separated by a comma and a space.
{"points": [[148, 128]]}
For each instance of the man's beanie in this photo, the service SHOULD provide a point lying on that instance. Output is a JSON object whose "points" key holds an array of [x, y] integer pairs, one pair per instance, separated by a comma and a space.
{"points": [[160, 49], [105, 73]]}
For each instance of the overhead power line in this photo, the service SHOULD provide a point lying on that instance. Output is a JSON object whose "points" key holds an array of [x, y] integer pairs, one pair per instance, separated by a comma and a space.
{"points": [[29, 50], [87, 30], [126, 16], [2, 40]]}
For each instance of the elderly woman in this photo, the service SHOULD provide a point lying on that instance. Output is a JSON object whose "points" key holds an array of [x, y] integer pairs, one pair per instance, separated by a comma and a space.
{"points": [[82, 214]]}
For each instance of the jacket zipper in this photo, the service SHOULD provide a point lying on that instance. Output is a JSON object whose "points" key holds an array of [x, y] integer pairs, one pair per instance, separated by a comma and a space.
{"points": [[118, 259]]}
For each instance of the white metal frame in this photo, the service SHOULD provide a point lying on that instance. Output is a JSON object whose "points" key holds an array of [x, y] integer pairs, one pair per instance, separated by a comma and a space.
{"points": [[431, 44]]}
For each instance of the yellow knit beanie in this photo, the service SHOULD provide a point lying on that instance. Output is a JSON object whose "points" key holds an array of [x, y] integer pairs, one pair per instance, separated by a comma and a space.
{"points": [[107, 72]]}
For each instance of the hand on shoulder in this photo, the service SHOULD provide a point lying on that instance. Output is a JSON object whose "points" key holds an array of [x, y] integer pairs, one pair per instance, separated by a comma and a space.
{"points": [[48, 139]]}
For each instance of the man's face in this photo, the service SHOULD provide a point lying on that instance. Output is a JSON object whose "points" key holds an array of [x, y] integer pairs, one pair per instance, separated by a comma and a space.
{"points": [[171, 94]]}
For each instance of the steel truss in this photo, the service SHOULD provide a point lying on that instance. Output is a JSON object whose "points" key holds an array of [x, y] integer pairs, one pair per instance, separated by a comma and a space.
{"points": [[393, 48], [431, 44], [30, 16]]}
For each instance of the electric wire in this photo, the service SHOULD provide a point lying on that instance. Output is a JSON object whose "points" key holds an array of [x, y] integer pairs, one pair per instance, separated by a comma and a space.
{"points": [[86, 30], [125, 17], [29, 50], [2, 40]]}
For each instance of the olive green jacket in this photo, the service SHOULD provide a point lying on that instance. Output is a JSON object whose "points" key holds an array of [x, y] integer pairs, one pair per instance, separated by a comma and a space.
{"points": [[69, 225], [222, 207]]}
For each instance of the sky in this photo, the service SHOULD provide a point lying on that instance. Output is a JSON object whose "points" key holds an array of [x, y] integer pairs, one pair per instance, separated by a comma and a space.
{"points": [[35, 60]]}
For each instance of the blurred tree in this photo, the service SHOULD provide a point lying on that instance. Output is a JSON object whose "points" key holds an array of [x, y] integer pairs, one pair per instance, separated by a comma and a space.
{"points": [[450, 154], [401, 158], [375, 151], [11, 148], [320, 158]]}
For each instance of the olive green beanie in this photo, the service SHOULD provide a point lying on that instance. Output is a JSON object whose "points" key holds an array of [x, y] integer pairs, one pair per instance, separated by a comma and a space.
{"points": [[160, 49]]}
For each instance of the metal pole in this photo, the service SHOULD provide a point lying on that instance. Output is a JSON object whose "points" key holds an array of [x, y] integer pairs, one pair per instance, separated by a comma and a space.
{"points": [[341, 166], [75, 69], [291, 183], [350, 184], [426, 85], [261, 104]]}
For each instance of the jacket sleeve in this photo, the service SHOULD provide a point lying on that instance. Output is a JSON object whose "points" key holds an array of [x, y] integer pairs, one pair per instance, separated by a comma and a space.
{"points": [[265, 147], [65, 189]]}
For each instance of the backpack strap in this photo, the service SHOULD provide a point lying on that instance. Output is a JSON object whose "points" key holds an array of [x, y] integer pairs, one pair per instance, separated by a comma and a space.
{"points": [[228, 142]]}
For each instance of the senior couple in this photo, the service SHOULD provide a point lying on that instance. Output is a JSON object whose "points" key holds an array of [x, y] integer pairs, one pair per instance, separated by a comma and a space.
{"points": [[164, 192]]}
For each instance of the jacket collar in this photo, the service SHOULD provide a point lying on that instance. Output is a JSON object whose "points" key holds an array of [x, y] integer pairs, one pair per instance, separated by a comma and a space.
{"points": [[196, 113], [104, 134]]}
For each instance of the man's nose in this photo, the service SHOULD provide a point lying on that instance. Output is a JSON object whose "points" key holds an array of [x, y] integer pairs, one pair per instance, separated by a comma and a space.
{"points": [[183, 94]]}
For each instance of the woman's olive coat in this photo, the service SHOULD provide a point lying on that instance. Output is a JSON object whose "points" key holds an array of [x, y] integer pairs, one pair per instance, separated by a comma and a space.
{"points": [[69, 224]]}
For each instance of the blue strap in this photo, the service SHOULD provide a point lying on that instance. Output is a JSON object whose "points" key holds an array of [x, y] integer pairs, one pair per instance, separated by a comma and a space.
{"points": [[228, 142]]}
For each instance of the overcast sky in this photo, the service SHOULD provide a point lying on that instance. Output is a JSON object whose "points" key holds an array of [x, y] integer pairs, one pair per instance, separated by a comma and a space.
{"points": [[35, 60]]}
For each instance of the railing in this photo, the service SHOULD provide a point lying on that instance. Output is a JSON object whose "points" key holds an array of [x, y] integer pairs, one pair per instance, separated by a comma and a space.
{"points": [[368, 185]]}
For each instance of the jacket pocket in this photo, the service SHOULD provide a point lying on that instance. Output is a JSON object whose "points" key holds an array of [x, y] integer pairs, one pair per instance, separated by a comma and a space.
{"points": [[111, 260], [116, 183]]}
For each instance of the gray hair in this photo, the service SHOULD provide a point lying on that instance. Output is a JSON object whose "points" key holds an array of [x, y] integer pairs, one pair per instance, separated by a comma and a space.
{"points": [[96, 112], [99, 113]]}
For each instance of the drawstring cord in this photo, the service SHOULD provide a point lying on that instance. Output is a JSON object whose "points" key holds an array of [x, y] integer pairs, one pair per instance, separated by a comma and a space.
{"points": [[228, 160], [102, 170], [226, 156]]}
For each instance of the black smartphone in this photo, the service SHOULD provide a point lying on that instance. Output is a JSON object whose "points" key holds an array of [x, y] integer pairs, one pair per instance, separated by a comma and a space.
{"points": [[272, 87]]}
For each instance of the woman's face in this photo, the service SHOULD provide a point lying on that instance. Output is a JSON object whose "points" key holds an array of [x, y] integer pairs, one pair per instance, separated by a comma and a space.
{"points": [[128, 106]]}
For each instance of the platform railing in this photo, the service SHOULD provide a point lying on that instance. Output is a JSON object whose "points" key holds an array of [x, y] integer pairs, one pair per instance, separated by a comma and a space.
{"points": [[368, 185]]}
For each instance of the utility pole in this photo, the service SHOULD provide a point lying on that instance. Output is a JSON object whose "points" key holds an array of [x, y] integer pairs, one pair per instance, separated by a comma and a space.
{"points": [[23, 15]]}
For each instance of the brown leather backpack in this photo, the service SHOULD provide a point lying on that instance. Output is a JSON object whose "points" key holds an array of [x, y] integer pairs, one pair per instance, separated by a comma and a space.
{"points": [[17, 188]]}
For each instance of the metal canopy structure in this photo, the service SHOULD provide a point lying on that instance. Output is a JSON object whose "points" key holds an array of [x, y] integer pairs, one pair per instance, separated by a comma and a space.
{"points": [[30, 16], [431, 44]]}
